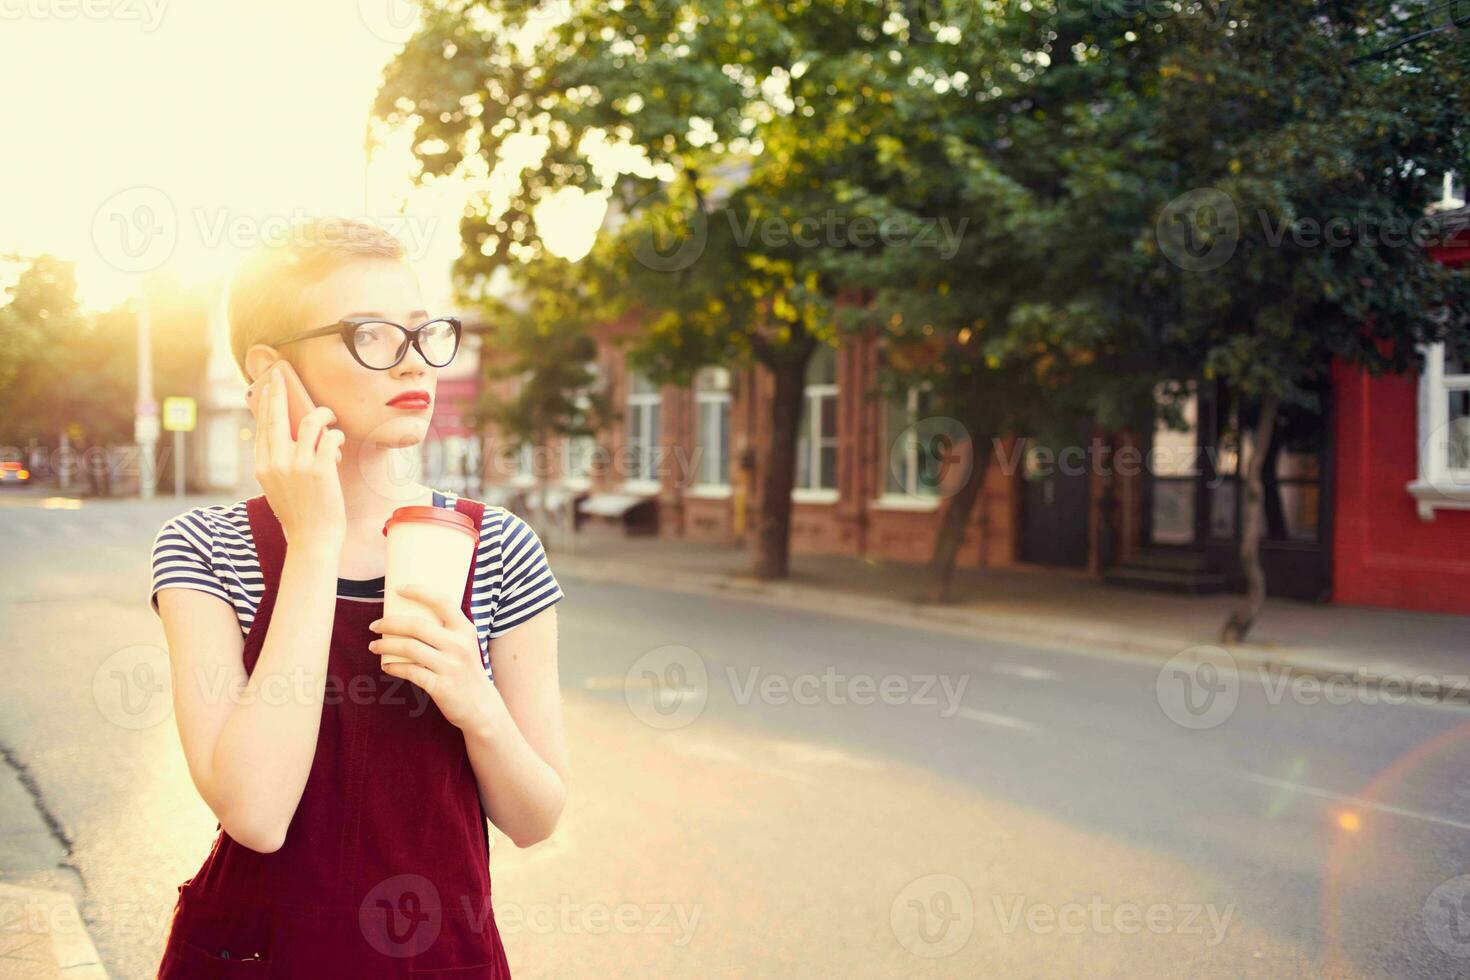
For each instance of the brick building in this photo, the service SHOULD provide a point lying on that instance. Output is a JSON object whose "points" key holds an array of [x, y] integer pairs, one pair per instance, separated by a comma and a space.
{"points": [[1361, 506]]}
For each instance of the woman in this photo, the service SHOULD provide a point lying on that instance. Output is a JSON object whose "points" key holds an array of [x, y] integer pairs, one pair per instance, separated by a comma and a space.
{"points": [[351, 794]]}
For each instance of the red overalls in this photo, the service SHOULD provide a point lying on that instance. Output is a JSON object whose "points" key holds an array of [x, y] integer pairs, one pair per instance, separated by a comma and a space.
{"points": [[385, 870]]}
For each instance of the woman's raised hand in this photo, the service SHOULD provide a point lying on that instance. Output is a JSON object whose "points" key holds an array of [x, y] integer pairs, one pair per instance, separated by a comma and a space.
{"points": [[299, 476]]}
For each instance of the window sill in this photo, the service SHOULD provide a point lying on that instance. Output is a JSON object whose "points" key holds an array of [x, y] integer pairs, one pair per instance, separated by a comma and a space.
{"points": [[641, 486], [1443, 494], [905, 501], [810, 495], [709, 491]]}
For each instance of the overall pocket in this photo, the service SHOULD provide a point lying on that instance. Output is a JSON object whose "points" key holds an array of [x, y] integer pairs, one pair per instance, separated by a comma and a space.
{"points": [[215, 938], [195, 961]]}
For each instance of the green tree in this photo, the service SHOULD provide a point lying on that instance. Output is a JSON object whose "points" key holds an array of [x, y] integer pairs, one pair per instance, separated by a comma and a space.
{"points": [[539, 339], [1295, 234], [1014, 127], [40, 330], [709, 92]]}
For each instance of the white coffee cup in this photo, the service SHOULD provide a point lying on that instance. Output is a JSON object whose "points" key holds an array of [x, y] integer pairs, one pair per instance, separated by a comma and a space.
{"points": [[430, 547]]}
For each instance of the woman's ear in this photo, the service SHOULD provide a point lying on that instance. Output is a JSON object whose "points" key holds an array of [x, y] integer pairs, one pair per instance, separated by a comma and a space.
{"points": [[258, 360]]}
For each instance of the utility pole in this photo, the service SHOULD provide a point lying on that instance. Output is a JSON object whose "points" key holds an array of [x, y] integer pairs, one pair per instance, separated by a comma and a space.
{"points": [[145, 411]]}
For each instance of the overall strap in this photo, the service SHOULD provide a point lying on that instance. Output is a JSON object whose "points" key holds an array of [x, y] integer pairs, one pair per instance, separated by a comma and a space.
{"points": [[475, 511], [270, 540]]}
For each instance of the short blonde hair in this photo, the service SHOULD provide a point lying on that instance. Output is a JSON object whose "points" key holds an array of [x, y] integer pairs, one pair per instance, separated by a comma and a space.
{"points": [[268, 291]]}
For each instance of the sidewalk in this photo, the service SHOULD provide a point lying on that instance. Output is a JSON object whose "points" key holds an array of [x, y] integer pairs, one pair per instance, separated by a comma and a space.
{"points": [[42, 936], [1431, 652]]}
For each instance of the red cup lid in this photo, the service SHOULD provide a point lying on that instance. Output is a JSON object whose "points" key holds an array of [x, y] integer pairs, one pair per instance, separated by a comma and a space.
{"points": [[437, 515]]}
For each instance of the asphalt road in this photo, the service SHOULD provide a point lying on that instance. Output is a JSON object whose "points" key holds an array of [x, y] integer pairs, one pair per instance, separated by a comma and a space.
{"points": [[760, 792]]}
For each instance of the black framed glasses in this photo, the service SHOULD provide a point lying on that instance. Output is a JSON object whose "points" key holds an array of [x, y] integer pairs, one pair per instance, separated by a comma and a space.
{"points": [[379, 344]]}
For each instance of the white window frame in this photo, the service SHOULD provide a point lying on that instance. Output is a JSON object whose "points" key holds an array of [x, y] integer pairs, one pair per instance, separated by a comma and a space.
{"points": [[525, 475], [573, 447], [1437, 486], [910, 498], [585, 446], [711, 390], [812, 395], [642, 406]]}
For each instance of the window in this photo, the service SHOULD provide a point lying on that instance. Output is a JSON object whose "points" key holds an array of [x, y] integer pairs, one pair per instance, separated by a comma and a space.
{"points": [[712, 428], [1173, 460], [816, 434], [1444, 433], [522, 460], [576, 464], [578, 451], [642, 432], [912, 469]]}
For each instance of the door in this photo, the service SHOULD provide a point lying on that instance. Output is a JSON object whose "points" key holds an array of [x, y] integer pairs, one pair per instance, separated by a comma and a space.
{"points": [[1054, 505]]}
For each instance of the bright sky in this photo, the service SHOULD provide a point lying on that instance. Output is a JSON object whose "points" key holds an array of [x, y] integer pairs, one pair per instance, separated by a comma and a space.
{"points": [[140, 132]]}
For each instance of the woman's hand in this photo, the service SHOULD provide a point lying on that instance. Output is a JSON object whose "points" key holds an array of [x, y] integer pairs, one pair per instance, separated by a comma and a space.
{"points": [[299, 475], [445, 654]]}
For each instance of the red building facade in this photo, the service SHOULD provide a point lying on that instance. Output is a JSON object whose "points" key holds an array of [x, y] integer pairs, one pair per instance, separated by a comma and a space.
{"points": [[1371, 507], [1402, 531]]}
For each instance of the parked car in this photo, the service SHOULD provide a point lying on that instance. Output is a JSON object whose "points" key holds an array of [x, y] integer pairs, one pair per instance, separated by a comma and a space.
{"points": [[14, 474]]}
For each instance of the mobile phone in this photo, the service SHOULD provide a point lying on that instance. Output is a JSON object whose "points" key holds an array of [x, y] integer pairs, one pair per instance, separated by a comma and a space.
{"points": [[298, 402]]}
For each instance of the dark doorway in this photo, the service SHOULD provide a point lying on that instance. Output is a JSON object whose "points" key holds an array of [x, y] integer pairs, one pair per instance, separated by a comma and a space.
{"points": [[1192, 492], [1054, 504]]}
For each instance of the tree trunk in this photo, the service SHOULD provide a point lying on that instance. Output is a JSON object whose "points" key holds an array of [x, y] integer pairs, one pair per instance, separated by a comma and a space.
{"points": [[956, 519], [1243, 617], [773, 520]]}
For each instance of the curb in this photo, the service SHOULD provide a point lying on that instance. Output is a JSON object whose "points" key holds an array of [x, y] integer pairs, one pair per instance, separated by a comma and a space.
{"points": [[1297, 662], [44, 931]]}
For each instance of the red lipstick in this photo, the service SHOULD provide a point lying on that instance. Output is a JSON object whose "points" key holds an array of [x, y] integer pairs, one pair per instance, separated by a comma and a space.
{"points": [[410, 399]]}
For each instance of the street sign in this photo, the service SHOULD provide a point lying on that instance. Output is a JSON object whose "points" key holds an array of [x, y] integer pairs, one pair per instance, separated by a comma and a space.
{"points": [[145, 428], [179, 414]]}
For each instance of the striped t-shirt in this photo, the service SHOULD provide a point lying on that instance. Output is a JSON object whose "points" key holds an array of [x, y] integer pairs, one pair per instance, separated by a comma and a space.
{"points": [[211, 549]]}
